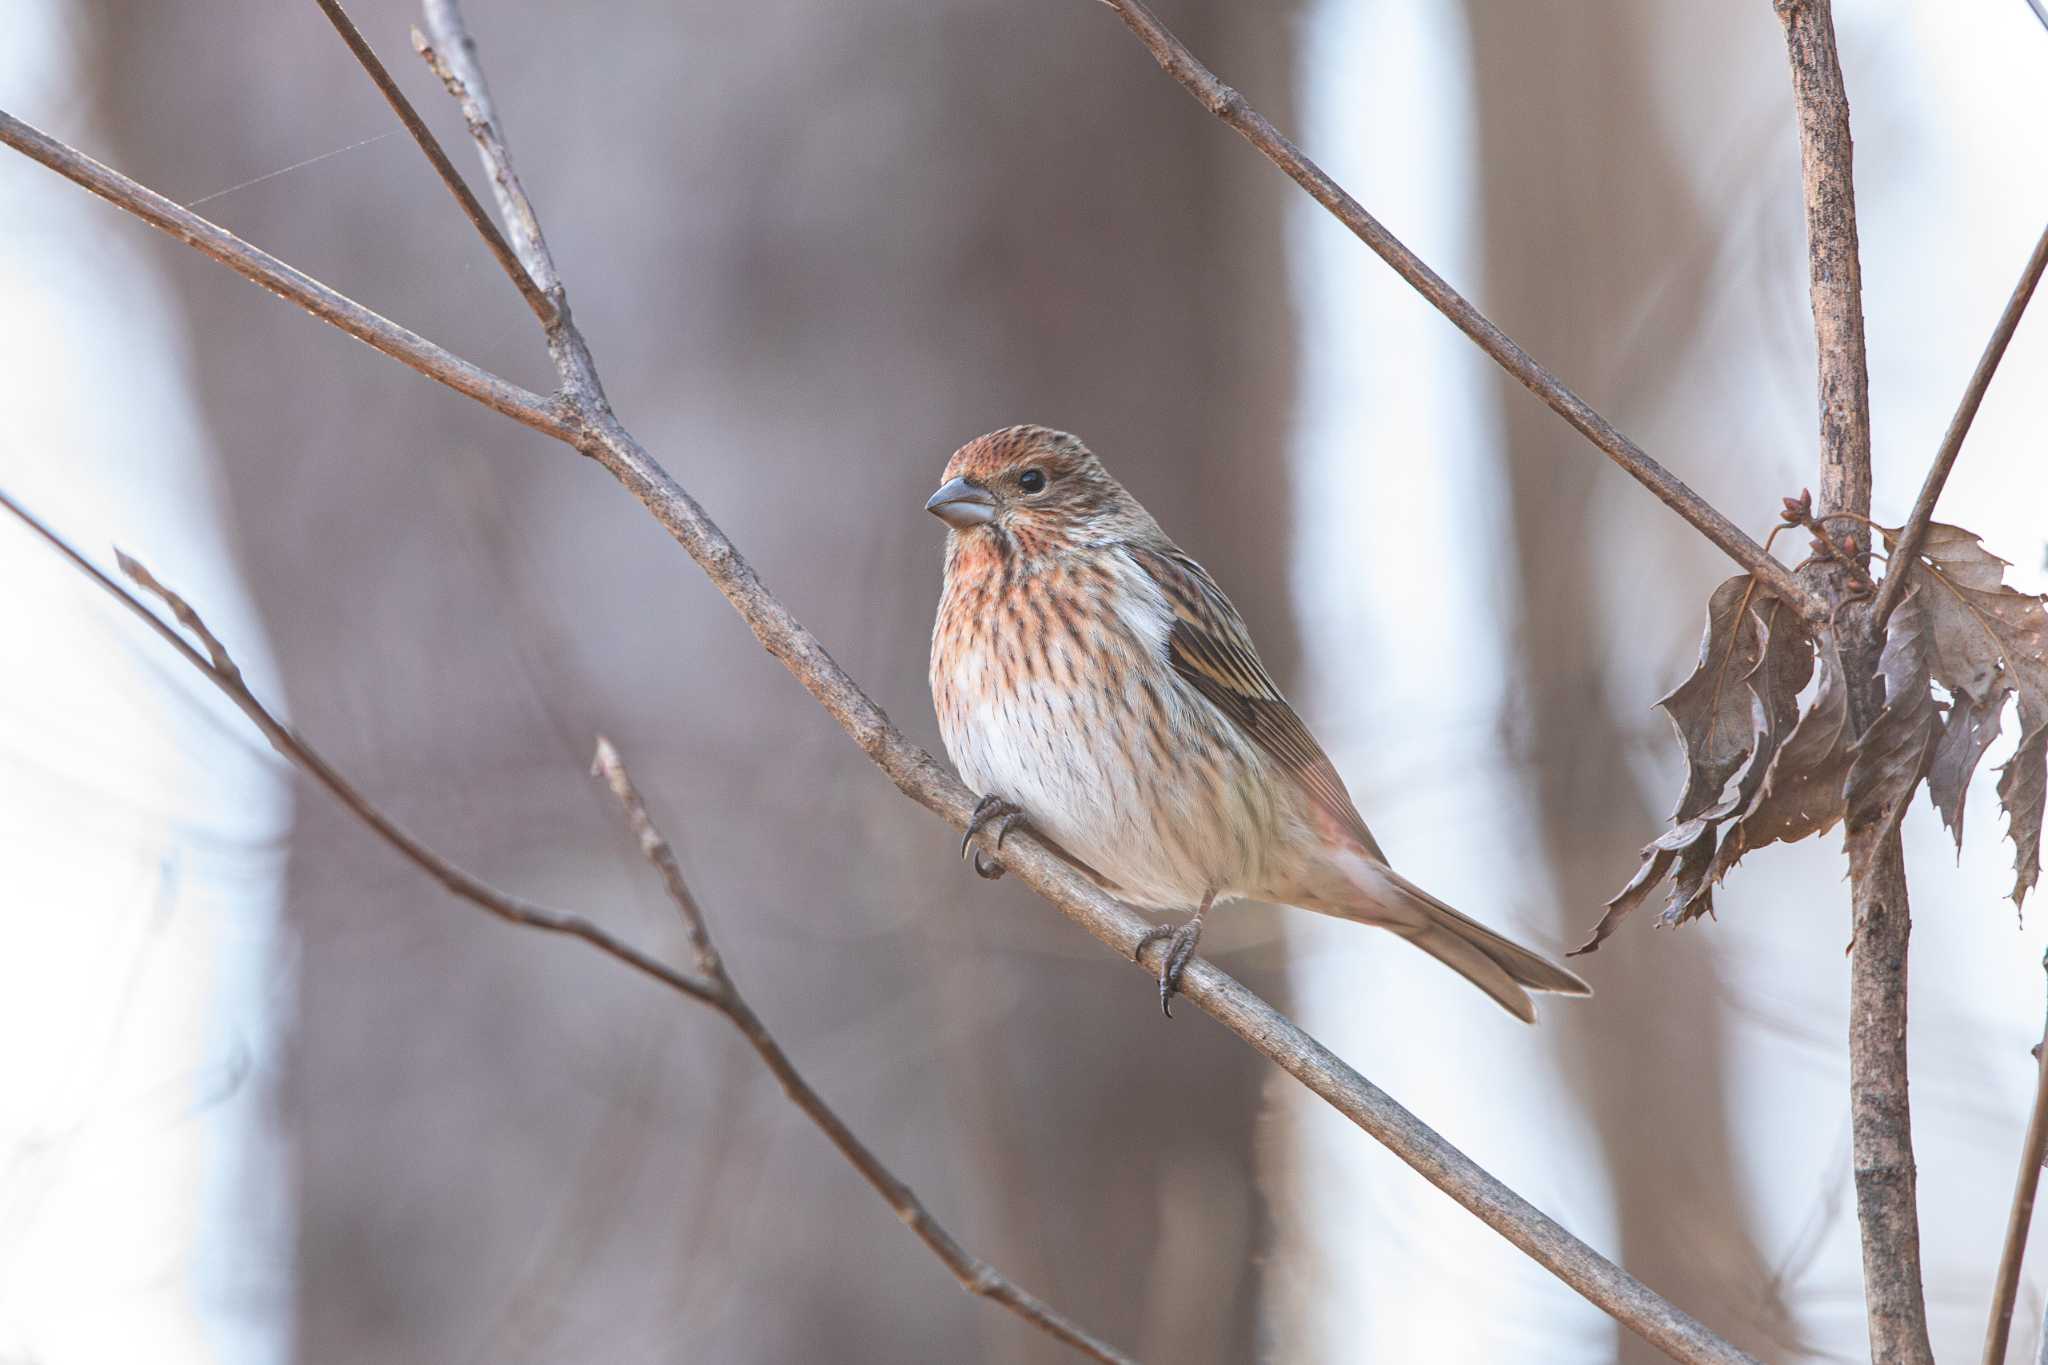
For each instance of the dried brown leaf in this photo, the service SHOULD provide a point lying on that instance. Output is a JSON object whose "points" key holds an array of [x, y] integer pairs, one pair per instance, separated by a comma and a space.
{"points": [[1732, 716], [1784, 666], [2023, 791], [1802, 793], [1892, 755], [1712, 710], [1971, 727], [1987, 642], [1657, 860], [1692, 888]]}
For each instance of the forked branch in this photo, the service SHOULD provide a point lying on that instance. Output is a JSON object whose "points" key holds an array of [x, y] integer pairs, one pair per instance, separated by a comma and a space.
{"points": [[709, 984]]}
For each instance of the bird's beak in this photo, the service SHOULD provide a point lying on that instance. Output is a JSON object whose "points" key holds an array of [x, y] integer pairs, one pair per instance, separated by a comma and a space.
{"points": [[961, 504]]}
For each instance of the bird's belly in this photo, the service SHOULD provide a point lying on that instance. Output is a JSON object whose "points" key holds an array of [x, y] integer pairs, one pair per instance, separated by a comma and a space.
{"points": [[1146, 788]]}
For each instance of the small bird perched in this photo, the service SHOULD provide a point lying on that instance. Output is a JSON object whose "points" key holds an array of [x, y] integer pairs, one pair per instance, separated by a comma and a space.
{"points": [[1091, 679]]}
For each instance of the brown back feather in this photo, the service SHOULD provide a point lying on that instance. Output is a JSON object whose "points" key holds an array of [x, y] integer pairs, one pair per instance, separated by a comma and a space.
{"points": [[1210, 646]]}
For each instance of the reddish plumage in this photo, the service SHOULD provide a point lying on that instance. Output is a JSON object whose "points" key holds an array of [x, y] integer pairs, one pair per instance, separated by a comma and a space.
{"points": [[1089, 673]]}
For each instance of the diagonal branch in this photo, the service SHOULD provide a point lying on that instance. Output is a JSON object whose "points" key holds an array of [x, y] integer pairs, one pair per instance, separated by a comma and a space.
{"points": [[709, 985], [580, 420], [457, 186], [260, 267], [1177, 61], [1958, 428], [975, 1275], [1880, 1120], [221, 671]]}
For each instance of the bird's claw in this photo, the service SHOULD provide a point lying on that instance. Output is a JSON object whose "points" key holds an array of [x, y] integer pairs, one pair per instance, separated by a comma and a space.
{"points": [[1180, 946], [993, 810]]}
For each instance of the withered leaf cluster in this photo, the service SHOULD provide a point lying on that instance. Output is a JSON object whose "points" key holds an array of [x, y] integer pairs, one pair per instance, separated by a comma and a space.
{"points": [[1760, 770]]}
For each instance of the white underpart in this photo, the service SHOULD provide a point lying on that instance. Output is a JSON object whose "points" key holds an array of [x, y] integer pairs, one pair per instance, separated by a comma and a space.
{"points": [[1086, 774]]}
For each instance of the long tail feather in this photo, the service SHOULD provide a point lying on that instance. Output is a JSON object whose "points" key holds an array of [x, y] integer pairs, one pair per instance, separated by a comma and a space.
{"points": [[1502, 968]]}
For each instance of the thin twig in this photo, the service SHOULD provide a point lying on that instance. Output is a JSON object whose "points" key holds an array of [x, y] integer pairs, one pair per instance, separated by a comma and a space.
{"points": [[710, 985], [260, 267], [1958, 428], [1227, 104], [654, 846], [443, 167], [918, 775], [2032, 1152], [974, 1274], [220, 669], [1880, 1119], [464, 78]]}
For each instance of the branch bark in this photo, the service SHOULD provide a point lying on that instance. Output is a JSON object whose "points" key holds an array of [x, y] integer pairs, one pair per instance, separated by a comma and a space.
{"points": [[260, 267], [582, 418], [457, 186], [2033, 1151], [1880, 1115], [1227, 104], [709, 984]]}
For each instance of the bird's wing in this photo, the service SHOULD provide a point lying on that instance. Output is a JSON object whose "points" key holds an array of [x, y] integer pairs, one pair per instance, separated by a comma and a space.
{"points": [[1210, 647]]}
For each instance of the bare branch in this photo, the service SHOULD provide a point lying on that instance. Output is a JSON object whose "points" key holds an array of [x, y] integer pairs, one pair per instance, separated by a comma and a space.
{"points": [[654, 846], [260, 267], [581, 420], [1177, 61], [1958, 427], [456, 64], [2032, 1152], [711, 985], [1881, 1122], [457, 186], [220, 670], [975, 1275]]}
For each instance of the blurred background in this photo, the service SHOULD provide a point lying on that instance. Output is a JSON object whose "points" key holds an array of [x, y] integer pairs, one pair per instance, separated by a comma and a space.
{"points": [[271, 1096]]}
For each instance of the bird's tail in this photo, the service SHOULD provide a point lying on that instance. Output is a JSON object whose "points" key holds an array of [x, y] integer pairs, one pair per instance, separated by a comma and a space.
{"points": [[1502, 968]]}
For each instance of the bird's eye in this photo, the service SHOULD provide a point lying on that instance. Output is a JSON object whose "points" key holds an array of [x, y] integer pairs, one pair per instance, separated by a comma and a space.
{"points": [[1031, 480]]}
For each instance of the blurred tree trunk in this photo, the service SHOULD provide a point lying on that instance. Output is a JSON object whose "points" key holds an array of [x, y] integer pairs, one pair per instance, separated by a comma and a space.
{"points": [[815, 249], [1596, 261]]}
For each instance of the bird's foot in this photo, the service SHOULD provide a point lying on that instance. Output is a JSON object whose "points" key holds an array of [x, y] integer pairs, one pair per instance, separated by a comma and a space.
{"points": [[1180, 946], [993, 811]]}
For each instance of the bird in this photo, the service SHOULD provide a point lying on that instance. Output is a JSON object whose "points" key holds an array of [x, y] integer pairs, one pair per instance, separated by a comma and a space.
{"points": [[1093, 682]]}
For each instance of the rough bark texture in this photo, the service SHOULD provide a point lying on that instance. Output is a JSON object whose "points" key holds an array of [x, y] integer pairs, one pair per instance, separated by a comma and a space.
{"points": [[1882, 918], [1881, 1124], [1826, 161]]}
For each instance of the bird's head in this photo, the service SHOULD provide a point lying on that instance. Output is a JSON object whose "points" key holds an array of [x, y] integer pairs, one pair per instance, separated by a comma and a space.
{"points": [[1039, 489]]}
